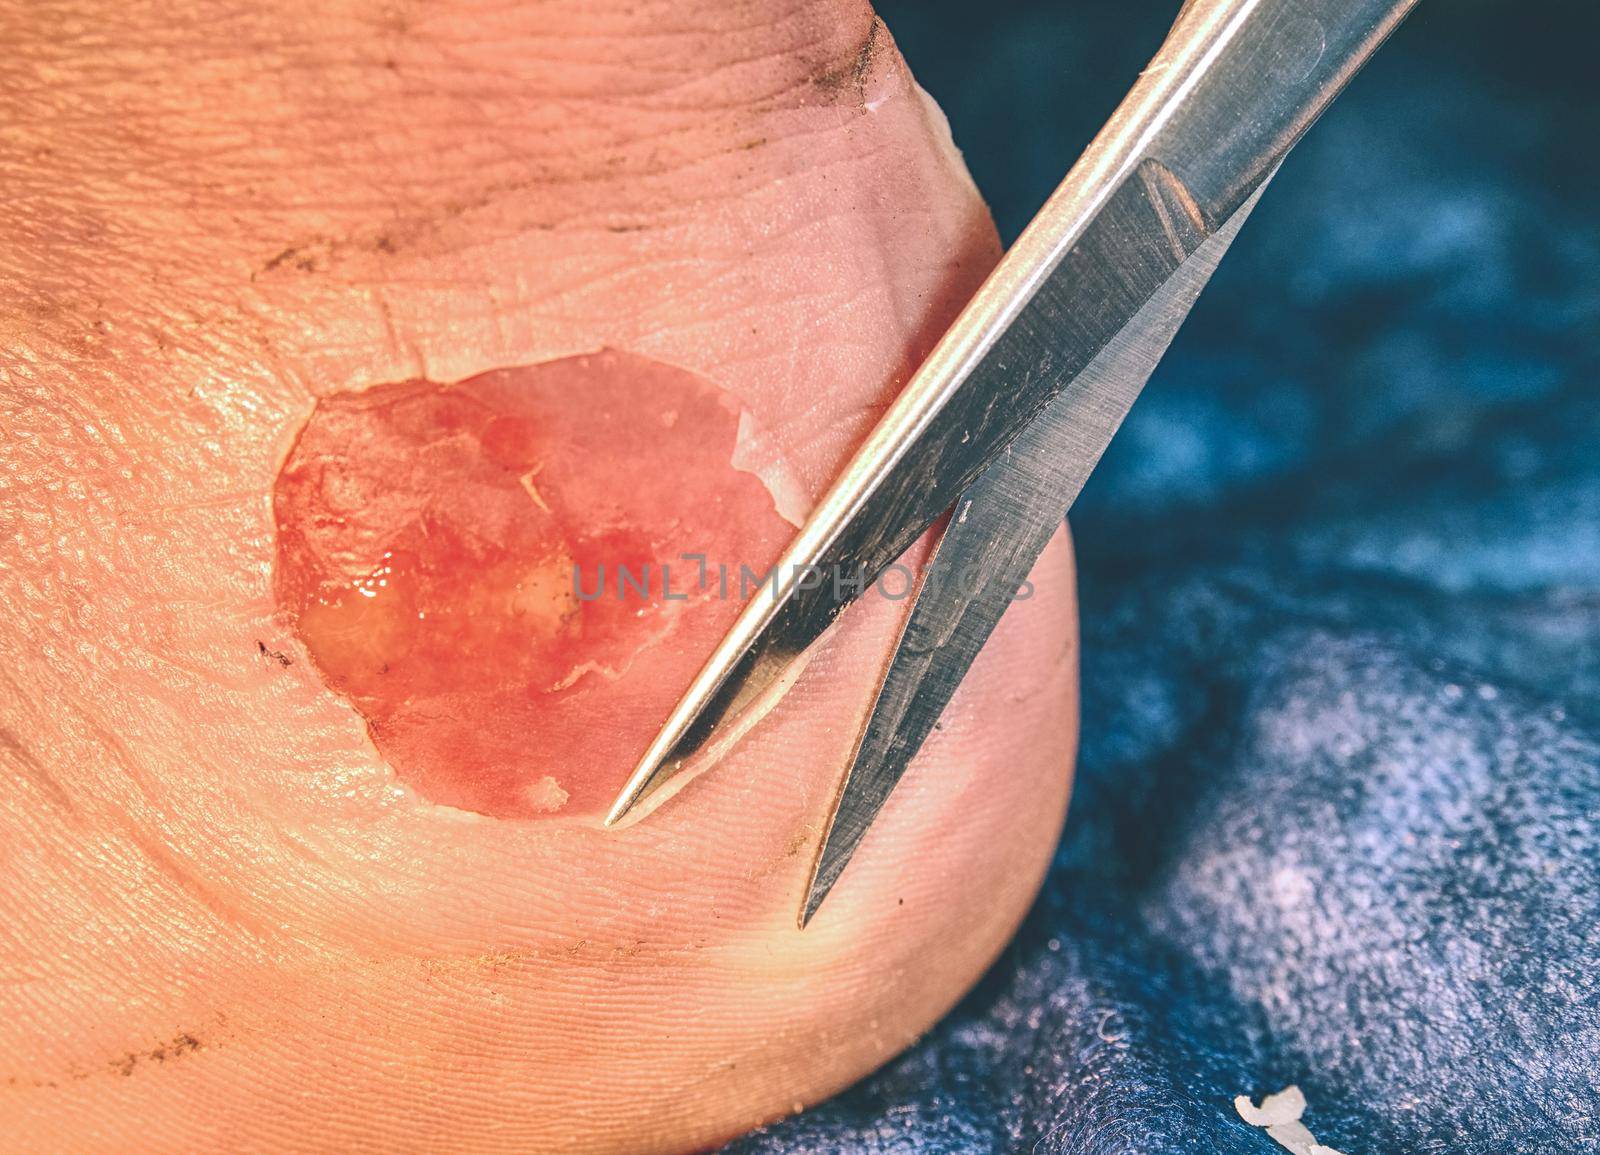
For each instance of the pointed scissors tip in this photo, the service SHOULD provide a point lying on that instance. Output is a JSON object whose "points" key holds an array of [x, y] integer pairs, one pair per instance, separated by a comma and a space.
{"points": [[808, 911], [816, 891], [637, 789], [832, 858]]}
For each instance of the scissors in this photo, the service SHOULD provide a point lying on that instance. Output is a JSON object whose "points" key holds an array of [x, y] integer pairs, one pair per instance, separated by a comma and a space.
{"points": [[1002, 424]]}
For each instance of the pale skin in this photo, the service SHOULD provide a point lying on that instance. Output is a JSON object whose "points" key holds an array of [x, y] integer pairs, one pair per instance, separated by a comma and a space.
{"points": [[223, 926]]}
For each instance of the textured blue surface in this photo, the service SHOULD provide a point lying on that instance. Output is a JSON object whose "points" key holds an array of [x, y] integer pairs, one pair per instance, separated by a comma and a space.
{"points": [[1338, 811]]}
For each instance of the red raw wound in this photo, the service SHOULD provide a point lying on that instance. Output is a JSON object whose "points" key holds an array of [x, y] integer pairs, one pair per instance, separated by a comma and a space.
{"points": [[428, 537]]}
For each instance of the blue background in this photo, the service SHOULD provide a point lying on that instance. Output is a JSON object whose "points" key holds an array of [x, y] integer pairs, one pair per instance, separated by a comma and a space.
{"points": [[1338, 805]]}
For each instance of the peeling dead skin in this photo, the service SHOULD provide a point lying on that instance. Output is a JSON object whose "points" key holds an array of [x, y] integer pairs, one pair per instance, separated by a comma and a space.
{"points": [[453, 560]]}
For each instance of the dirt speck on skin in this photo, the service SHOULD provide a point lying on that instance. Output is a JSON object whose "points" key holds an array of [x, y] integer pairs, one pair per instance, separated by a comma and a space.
{"points": [[318, 254], [295, 257], [176, 1047], [278, 656], [836, 81], [68, 324]]}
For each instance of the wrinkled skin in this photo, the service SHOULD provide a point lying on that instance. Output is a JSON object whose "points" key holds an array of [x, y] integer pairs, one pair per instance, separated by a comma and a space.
{"points": [[223, 926]]}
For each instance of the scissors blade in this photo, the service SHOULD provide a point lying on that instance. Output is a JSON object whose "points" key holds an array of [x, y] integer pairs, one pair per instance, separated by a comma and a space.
{"points": [[996, 533], [1034, 326], [1230, 92]]}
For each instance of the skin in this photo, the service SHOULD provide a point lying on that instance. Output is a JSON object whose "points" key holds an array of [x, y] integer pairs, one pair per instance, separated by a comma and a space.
{"points": [[223, 925]]}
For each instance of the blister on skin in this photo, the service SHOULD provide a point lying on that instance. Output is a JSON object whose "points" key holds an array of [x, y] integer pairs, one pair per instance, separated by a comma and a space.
{"points": [[452, 558]]}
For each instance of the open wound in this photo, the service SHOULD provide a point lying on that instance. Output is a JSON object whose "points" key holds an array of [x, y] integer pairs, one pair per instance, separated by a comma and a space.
{"points": [[501, 574]]}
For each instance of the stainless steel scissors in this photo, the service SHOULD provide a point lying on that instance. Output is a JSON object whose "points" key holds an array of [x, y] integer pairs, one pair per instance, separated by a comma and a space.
{"points": [[1002, 424]]}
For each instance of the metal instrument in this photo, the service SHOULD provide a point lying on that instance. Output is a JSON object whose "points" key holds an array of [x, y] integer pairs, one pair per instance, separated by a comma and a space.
{"points": [[1002, 424]]}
